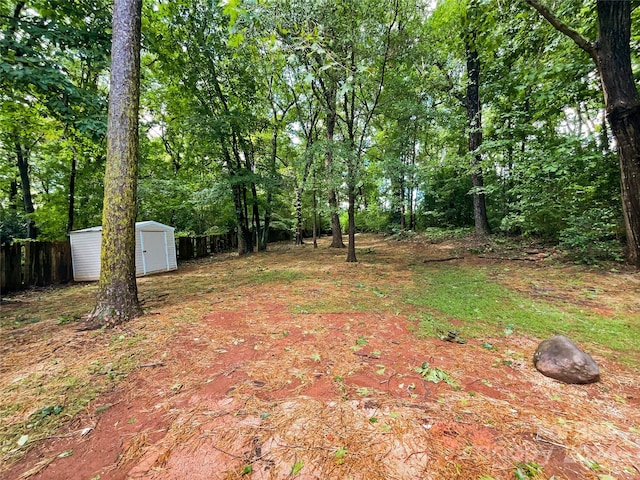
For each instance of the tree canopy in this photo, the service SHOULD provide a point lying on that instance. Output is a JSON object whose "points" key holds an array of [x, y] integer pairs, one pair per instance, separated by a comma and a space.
{"points": [[275, 117]]}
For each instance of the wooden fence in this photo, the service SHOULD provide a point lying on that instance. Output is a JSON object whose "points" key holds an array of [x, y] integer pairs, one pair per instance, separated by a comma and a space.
{"points": [[38, 264], [196, 247], [34, 264]]}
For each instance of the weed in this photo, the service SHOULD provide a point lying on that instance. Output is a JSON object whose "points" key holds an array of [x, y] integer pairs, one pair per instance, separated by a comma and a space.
{"points": [[65, 319], [295, 469], [436, 375], [527, 471]]}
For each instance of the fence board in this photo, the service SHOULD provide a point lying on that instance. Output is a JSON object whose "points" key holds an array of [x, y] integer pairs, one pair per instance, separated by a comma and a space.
{"points": [[10, 267], [202, 245], [185, 248], [61, 265]]}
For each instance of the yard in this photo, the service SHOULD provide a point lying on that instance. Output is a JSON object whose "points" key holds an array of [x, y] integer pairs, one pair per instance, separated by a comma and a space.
{"points": [[295, 364]]}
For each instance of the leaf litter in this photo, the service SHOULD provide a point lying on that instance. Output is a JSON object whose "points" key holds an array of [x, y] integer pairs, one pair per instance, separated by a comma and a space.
{"points": [[282, 379]]}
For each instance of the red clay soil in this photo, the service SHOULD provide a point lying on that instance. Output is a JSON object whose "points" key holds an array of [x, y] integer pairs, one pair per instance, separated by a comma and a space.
{"points": [[258, 388]]}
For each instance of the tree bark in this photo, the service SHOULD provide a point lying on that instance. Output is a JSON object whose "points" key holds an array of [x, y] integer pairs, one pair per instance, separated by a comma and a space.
{"points": [[336, 230], [299, 240], [612, 55], [315, 214], [622, 105], [72, 192], [474, 123], [117, 299], [351, 197], [22, 158], [264, 237]]}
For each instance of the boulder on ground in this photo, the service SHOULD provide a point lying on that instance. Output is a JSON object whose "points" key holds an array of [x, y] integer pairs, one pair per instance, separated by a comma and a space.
{"points": [[559, 358]]}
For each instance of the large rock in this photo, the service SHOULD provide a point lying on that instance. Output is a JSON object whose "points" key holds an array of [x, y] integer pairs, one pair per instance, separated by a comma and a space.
{"points": [[559, 358]]}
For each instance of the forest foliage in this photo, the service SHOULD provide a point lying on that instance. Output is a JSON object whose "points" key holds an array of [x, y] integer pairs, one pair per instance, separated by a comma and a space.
{"points": [[253, 111]]}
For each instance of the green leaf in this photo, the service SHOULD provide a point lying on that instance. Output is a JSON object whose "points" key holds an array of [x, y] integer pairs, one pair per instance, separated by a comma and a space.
{"points": [[296, 467], [235, 39]]}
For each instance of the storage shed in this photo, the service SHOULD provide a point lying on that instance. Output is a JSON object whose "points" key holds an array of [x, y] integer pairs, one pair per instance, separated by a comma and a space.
{"points": [[155, 250]]}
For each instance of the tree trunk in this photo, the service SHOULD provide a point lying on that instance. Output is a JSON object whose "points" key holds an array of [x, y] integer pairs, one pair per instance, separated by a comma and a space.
{"points": [[255, 211], [622, 105], [474, 119], [612, 56], [117, 299], [315, 214], [336, 230], [13, 194], [22, 158], [403, 208], [264, 237], [72, 192], [351, 249]]}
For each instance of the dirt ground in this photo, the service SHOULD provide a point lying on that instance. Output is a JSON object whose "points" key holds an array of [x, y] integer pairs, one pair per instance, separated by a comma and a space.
{"points": [[246, 379]]}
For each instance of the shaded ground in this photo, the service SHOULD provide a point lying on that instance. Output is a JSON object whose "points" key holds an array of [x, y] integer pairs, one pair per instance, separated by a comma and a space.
{"points": [[295, 364]]}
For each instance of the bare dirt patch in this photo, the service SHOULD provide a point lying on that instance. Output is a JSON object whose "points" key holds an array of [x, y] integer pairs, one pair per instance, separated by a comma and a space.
{"points": [[231, 374]]}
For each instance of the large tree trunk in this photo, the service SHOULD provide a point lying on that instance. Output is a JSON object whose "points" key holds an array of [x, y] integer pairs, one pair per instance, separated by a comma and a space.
{"points": [[474, 123], [622, 105], [612, 56], [117, 299]]}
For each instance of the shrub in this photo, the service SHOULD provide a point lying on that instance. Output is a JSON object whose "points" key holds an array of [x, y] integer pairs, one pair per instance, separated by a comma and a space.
{"points": [[593, 236]]}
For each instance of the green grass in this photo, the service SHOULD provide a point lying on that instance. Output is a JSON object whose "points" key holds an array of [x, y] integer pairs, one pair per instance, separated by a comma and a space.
{"points": [[57, 401], [261, 276], [487, 307]]}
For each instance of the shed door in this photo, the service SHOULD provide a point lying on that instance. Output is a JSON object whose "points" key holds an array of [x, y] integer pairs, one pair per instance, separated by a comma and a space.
{"points": [[154, 251]]}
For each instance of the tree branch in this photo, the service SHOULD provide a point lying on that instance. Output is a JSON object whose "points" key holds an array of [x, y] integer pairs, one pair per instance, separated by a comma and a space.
{"points": [[579, 40]]}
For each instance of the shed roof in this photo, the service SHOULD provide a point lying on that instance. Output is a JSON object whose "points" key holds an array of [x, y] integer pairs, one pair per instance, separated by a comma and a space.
{"points": [[139, 226]]}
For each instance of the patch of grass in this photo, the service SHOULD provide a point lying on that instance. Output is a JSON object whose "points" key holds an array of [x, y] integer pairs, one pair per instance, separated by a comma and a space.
{"points": [[261, 276], [70, 302], [46, 419], [487, 307]]}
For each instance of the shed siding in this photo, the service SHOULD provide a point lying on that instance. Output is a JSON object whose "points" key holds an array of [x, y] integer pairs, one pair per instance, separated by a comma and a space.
{"points": [[85, 253], [171, 246], [85, 249], [139, 269]]}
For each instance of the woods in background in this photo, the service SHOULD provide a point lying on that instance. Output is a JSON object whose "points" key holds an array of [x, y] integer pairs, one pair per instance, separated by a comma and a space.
{"points": [[386, 116]]}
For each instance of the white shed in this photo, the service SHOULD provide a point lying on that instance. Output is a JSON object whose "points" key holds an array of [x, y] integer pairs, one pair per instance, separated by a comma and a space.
{"points": [[155, 250]]}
